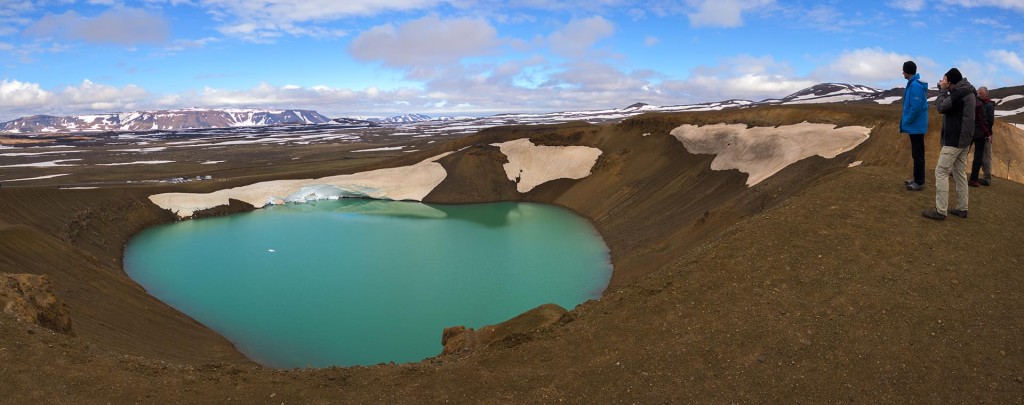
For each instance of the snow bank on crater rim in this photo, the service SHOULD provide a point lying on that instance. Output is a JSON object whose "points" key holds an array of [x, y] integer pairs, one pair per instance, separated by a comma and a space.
{"points": [[763, 151], [532, 164], [398, 183]]}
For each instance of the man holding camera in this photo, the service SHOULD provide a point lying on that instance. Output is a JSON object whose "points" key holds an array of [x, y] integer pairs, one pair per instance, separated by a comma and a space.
{"points": [[956, 104]]}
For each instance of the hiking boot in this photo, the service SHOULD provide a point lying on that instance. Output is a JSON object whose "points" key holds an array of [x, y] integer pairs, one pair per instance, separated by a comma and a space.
{"points": [[959, 213], [973, 183], [933, 214], [908, 182], [985, 182], [915, 187]]}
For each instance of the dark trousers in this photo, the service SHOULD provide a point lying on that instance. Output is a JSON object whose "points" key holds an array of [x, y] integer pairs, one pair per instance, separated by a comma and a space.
{"points": [[917, 151], [979, 157]]}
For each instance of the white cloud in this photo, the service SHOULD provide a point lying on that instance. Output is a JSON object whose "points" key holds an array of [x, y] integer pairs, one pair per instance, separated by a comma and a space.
{"points": [[184, 44], [909, 5], [723, 13], [123, 26], [427, 41], [651, 40], [989, 23], [6, 46], [100, 97], [23, 98], [867, 65], [1008, 58], [15, 95], [979, 74], [263, 20], [579, 35], [1007, 4], [741, 77]]}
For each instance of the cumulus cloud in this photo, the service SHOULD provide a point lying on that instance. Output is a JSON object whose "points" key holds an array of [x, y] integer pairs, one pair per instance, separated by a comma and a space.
{"points": [[122, 26], [427, 41], [741, 77], [23, 98], [722, 13], [579, 35], [99, 97], [15, 95], [1008, 58], [866, 65]]}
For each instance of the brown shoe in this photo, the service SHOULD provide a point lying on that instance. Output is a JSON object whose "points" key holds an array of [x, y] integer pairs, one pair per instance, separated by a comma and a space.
{"points": [[933, 214]]}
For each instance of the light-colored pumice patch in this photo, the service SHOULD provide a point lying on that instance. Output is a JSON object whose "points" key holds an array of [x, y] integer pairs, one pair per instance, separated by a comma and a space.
{"points": [[763, 151], [397, 183], [531, 165]]}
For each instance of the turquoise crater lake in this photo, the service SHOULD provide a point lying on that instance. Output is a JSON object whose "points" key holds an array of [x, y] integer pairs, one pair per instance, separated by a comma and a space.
{"points": [[360, 282]]}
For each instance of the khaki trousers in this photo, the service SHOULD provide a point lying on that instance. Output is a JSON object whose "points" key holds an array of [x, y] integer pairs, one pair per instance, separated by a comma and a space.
{"points": [[951, 159]]}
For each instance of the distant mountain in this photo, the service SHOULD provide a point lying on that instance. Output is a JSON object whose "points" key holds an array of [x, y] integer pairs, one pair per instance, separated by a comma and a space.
{"points": [[162, 120], [829, 93], [1009, 107], [397, 119]]}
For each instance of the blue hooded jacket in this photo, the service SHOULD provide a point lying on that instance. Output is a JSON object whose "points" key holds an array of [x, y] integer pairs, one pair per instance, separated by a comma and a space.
{"points": [[915, 107]]}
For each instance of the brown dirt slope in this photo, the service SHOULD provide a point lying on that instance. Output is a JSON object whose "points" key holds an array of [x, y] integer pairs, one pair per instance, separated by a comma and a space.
{"points": [[76, 238], [821, 284]]}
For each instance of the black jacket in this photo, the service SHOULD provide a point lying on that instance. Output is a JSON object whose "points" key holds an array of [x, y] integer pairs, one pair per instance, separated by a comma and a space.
{"points": [[990, 114], [956, 104]]}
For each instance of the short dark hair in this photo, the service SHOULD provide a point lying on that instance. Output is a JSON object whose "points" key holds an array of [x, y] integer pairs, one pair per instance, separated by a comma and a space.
{"points": [[910, 67]]}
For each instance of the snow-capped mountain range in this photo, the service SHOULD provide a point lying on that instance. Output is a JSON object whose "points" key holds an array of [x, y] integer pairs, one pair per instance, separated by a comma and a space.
{"points": [[1009, 105], [162, 120]]}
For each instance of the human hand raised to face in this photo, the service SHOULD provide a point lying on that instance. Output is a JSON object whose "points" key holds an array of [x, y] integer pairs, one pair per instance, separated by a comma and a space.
{"points": [[943, 83]]}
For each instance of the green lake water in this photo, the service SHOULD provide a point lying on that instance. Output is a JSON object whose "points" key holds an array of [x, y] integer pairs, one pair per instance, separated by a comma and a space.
{"points": [[360, 282]]}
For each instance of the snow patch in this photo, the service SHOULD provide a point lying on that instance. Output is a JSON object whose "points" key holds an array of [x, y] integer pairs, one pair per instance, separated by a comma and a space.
{"points": [[38, 178], [381, 149], [59, 152], [53, 163], [531, 165], [888, 100], [399, 183], [1004, 113], [763, 151], [1010, 98], [139, 162], [142, 150]]}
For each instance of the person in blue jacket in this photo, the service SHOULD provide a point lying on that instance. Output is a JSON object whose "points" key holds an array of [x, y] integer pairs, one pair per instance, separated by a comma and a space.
{"points": [[914, 122]]}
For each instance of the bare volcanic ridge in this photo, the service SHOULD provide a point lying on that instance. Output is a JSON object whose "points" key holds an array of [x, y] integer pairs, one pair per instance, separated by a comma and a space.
{"points": [[820, 283]]}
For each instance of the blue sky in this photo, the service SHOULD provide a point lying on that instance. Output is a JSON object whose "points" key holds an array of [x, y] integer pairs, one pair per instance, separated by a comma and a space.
{"points": [[438, 57]]}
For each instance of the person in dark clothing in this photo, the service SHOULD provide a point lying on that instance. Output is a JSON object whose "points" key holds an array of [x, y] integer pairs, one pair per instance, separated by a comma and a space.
{"points": [[983, 146], [956, 104], [981, 138], [914, 121]]}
